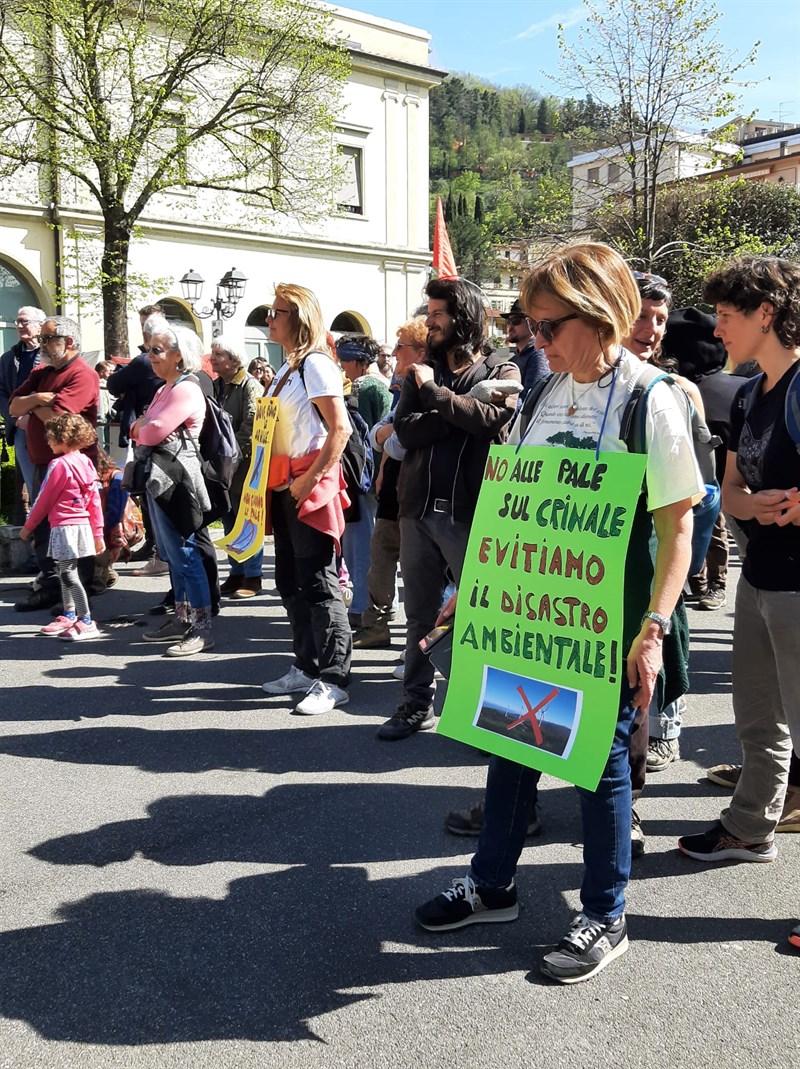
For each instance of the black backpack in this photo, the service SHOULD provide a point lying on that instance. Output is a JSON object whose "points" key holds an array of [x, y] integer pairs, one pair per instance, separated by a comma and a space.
{"points": [[358, 463], [220, 455]]}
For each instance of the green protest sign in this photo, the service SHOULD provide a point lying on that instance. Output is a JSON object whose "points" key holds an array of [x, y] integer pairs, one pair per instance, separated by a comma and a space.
{"points": [[537, 662]]}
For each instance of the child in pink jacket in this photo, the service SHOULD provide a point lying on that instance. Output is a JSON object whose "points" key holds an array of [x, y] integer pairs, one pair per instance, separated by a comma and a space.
{"points": [[70, 499]]}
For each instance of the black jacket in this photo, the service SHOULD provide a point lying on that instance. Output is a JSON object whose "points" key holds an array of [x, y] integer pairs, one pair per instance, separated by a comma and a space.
{"points": [[447, 435], [135, 385]]}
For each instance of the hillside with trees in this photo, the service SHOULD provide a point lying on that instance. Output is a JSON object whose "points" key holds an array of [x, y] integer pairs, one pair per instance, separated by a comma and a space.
{"points": [[498, 160]]}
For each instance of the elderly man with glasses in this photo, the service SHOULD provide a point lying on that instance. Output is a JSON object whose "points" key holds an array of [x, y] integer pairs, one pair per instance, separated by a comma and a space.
{"points": [[15, 366], [63, 382]]}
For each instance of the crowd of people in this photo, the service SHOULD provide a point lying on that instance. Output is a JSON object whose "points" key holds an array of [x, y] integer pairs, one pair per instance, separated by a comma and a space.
{"points": [[721, 406]]}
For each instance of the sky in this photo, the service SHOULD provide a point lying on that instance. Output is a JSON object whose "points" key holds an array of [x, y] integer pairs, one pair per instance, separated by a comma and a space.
{"points": [[509, 42]]}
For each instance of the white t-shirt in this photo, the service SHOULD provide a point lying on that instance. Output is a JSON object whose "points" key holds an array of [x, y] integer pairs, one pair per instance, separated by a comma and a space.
{"points": [[299, 429], [671, 474]]}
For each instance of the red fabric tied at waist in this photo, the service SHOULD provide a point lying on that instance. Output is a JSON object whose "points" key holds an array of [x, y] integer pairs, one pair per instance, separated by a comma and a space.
{"points": [[324, 507]]}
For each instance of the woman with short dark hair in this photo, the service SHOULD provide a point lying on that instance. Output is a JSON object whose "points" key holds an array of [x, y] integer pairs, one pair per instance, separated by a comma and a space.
{"points": [[758, 318]]}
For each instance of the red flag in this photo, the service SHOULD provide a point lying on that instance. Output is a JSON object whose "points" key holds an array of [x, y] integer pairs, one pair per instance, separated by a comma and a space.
{"points": [[444, 263]]}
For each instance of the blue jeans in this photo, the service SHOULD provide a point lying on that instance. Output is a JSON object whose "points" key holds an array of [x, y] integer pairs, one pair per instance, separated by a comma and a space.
{"points": [[189, 580], [606, 815], [23, 460], [356, 542], [250, 568]]}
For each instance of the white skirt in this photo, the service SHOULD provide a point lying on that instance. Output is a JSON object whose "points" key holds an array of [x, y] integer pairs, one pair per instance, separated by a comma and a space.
{"points": [[69, 543]]}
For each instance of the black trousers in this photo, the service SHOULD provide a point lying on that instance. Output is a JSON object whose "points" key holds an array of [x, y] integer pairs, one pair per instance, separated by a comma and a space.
{"points": [[308, 584]]}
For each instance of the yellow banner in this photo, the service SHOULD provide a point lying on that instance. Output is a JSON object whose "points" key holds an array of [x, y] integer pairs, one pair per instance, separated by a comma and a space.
{"points": [[247, 536]]}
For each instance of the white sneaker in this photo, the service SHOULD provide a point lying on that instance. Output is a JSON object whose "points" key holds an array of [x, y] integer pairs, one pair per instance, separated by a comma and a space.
{"points": [[291, 683], [322, 698]]}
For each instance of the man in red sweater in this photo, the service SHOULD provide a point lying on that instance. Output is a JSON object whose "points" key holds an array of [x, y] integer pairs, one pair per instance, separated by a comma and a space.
{"points": [[63, 382]]}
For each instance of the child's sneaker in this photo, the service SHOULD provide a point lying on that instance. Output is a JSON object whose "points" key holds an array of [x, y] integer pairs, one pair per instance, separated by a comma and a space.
{"points": [[80, 631], [58, 626]]}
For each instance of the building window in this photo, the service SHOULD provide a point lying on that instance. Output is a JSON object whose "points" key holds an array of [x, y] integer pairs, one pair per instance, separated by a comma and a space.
{"points": [[594, 176], [613, 172], [351, 191]]}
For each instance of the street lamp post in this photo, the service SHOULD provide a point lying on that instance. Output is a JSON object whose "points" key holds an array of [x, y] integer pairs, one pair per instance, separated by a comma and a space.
{"points": [[230, 290]]}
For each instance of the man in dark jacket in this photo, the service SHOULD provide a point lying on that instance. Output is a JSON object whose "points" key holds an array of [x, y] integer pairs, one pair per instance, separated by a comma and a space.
{"points": [[532, 362], [15, 366], [134, 383], [446, 430]]}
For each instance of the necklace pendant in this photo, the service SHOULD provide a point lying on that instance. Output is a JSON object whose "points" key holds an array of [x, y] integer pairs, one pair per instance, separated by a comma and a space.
{"points": [[572, 410]]}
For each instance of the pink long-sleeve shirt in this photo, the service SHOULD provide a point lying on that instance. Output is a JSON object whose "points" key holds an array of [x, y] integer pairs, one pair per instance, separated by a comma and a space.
{"points": [[69, 495], [181, 404]]}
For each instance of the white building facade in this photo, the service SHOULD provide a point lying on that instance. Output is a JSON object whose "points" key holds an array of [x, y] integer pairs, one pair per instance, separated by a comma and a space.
{"points": [[367, 261], [605, 173]]}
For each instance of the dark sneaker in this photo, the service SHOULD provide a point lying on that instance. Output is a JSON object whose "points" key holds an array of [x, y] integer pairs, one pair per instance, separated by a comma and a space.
{"points": [[587, 948], [464, 904], [172, 629], [713, 599], [43, 598], [695, 588], [230, 585], [637, 835], [725, 775], [470, 821], [661, 753], [406, 721], [794, 937], [717, 844], [377, 637]]}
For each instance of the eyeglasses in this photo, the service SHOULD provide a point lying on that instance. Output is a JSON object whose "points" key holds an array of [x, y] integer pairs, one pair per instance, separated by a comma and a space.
{"points": [[22, 322], [156, 350], [45, 339], [645, 276], [273, 313], [408, 345], [548, 327]]}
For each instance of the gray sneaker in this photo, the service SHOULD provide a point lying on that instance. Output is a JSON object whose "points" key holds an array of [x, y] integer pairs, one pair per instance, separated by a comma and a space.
{"points": [[168, 632], [661, 753], [191, 644]]}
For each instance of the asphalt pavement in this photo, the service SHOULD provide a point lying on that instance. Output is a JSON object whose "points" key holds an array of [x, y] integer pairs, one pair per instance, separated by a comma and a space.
{"points": [[192, 877]]}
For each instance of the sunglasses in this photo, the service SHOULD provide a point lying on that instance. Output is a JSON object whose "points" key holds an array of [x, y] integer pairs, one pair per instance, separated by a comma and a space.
{"points": [[45, 339], [548, 327]]}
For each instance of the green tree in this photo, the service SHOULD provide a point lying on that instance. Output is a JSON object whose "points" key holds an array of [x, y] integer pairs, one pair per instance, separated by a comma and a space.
{"points": [[135, 100], [650, 69], [703, 224]]}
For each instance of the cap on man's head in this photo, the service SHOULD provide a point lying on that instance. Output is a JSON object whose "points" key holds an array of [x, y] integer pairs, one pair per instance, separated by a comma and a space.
{"points": [[515, 311]]}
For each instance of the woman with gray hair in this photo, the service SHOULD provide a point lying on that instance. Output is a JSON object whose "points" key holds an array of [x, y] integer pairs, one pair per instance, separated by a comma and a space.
{"points": [[167, 441]]}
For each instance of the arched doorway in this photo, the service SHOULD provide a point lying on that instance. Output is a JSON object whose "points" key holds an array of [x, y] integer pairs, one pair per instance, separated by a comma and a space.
{"points": [[256, 338], [16, 291], [178, 312], [350, 323]]}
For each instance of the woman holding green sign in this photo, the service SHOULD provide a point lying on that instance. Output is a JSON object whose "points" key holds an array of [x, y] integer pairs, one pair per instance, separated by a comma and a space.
{"points": [[582, 301]]}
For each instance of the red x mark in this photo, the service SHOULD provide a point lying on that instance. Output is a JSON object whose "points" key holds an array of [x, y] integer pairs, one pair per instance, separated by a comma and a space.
{"points": [[530, 716]]}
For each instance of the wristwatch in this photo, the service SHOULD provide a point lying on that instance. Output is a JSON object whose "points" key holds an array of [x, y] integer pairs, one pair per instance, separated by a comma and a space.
{"points": [[664, 622]]}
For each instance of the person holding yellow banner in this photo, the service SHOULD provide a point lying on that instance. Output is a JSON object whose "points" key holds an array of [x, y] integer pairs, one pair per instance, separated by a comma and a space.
{"points": [[582, 301]]}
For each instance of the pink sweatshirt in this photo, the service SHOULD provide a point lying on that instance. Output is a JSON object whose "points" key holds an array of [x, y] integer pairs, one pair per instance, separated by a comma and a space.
{"points": [[181, 404], [69, 495]]}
